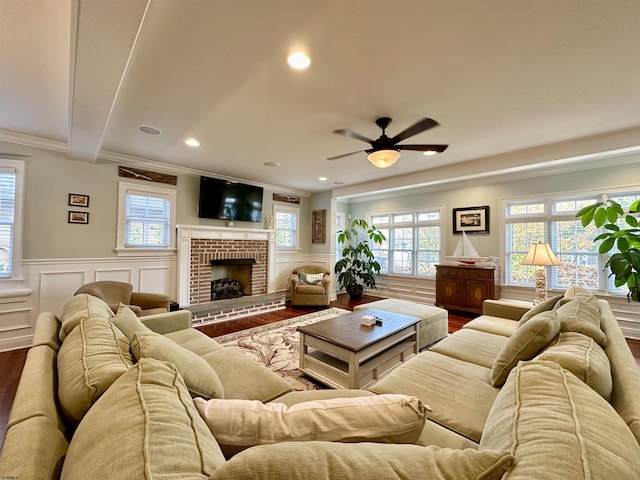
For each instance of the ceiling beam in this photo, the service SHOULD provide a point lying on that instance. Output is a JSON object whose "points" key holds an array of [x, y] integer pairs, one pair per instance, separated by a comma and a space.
{"points": [[103, 38]]}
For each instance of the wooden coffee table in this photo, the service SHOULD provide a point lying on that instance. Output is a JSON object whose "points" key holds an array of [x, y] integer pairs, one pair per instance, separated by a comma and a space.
{"points": [[342, 353]]}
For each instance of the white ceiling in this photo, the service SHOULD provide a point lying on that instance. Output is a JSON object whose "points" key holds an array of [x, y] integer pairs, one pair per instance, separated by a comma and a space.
{"points": [[500, 76]]}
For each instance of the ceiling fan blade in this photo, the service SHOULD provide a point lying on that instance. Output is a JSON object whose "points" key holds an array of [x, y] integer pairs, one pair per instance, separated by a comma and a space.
{"points": [[357, 136], [416, 128], [345, 155], [423, 148]]}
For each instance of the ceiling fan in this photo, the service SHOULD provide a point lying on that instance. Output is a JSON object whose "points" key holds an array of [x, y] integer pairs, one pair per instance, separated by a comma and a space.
{"points": [[385, 151]]}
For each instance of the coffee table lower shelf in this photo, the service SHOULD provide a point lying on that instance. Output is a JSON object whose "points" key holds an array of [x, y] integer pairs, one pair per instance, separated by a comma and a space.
{"points": [[341, 368]]}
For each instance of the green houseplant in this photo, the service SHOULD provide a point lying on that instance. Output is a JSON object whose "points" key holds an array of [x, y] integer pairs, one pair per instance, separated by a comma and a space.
{"points": [[358, 268], [625, 263]]}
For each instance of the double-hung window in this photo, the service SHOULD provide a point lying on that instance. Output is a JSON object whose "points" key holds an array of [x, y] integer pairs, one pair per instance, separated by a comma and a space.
{"points": [[146, 218], [413, 244], [553, 220], [286, 226], [11, 178]]}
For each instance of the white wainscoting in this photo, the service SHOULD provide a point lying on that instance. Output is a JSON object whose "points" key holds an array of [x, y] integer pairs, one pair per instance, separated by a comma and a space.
{"points": [[49, 283]]}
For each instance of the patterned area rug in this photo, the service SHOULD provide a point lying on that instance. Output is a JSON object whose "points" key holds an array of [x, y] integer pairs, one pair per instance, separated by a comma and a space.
{"points": [[277, 346]]}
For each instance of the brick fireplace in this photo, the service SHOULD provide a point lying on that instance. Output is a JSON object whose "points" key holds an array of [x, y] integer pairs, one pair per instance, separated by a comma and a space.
{"points": [[201, 249]]}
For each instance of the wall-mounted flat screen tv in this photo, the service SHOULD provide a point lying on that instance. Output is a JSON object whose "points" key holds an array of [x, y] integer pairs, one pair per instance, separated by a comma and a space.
{"points": [[227, 200]]}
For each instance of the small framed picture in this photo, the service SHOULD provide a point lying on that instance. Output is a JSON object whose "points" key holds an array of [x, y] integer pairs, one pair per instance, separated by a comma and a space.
{"points": [[471, 220], [78, 217], [77, 200]]}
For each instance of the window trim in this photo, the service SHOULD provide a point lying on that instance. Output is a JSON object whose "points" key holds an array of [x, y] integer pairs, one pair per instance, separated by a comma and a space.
{"points": [[18, 220], [121, 248], [414, 225], [549, 217], [296, 212]]}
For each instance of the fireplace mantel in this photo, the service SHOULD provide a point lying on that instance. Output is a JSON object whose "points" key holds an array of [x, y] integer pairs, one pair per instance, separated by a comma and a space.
{"points": [[187, 233]]}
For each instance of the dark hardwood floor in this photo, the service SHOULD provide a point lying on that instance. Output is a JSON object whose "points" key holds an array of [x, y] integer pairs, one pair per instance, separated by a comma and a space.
{"points": [[11, 362]]}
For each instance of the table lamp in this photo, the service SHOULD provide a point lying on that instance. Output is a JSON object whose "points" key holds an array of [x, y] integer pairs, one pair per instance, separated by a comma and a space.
{"points": [[540, 254]]}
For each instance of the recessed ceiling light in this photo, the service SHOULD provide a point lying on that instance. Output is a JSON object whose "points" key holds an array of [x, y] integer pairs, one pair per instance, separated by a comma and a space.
{"points": [[192, 142], [271, 164], [429, 152], [299, 60], [322, 179], [149, 130]]}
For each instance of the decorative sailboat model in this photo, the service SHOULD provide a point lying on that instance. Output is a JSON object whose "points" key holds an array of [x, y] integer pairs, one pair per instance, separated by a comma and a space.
{"points": [[465, 253]]}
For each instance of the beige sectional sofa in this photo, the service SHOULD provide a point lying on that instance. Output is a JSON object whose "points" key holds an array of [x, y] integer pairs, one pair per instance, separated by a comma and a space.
{"points": [[551, 392]]}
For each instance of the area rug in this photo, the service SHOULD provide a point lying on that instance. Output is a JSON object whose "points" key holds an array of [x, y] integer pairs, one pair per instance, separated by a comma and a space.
{"points": [[277, 346]]}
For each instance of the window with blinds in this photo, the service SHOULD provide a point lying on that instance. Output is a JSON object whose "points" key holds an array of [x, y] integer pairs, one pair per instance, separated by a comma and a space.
{"points": [[7, 219], [286, 226], [147, 220], [553, 220], [413, 244]]}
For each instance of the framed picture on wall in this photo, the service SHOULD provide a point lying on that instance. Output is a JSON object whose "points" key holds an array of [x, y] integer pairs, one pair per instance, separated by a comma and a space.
{"points": [[78, 217], [318, 226], [471, 220], [77, 200]]}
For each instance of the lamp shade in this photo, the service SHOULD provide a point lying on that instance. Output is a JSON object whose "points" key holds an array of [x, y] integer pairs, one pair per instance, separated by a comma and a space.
{"points": [[540, 254], [383, 158]]}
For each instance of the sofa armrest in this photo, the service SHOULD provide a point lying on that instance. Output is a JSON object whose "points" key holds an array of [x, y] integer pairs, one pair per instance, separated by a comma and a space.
{"points": [[168, 322], [148, 301], [503, 309], [294, 278]]}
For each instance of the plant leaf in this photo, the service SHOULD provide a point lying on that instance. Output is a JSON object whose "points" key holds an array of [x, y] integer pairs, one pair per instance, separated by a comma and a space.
{"points": [[600, 216], [606, 245], [612, 215]]}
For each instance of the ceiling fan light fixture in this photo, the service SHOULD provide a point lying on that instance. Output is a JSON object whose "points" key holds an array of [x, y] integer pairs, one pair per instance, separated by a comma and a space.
{"points": [[383, 158], [430, 152]]}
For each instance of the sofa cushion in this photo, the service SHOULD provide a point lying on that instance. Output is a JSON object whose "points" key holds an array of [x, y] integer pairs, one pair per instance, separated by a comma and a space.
{"points": [[244, 378], [446, 385], [238, 424], [144, 426], [583, 357], [199, 377], [558, 427], [194, 341], [473, 346], [90, 359], [128, 322], [80, 307], [581, 315], [373, 461], [543, 306], [525, 343]]}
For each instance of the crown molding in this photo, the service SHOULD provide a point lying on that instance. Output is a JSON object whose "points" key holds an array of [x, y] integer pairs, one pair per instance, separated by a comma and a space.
{"points": [[133, 161]]}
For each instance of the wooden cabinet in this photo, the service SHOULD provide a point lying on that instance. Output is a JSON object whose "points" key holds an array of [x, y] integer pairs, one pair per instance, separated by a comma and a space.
{"points": [[465, 287]]}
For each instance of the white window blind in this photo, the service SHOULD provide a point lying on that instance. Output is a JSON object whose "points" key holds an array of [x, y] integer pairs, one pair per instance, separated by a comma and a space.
{"points": [[147, 220], [7, 219], [286, 225]]}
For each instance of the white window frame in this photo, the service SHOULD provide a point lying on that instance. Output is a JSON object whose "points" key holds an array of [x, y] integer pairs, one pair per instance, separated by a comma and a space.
{"points": [[290, 210], [125, 188], [414, 225], [549, 218], [18, 167]]}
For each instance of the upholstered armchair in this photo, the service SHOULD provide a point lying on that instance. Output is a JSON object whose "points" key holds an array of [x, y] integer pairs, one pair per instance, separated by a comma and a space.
{"points": [[310, 286], [115, 293]]}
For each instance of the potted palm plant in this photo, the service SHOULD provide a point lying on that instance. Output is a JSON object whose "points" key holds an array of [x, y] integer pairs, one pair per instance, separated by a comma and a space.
{"points": [[625, 263], [358, 268]]}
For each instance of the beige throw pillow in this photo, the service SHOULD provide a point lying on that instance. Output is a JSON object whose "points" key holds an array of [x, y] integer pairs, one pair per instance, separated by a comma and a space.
{"points": [[371, 461], [582, 315], [557, 427], [583, 357], [201, 379], [90, 359], [128, 322], [524, 344], [238, 424], [144, 427], [544, 306]]}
